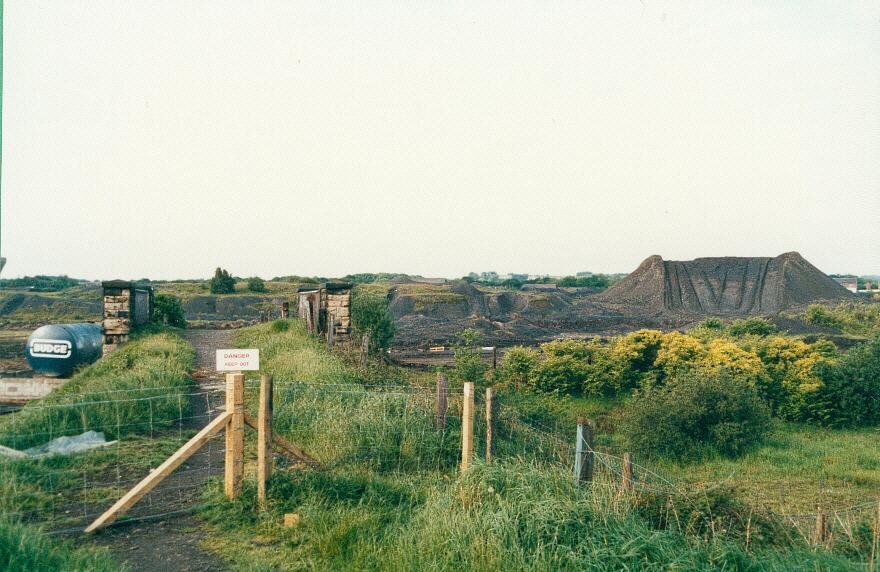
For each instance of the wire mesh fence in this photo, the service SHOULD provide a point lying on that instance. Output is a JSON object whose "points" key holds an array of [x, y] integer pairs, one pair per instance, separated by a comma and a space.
{"points": [[381, 428], [64, 488]]}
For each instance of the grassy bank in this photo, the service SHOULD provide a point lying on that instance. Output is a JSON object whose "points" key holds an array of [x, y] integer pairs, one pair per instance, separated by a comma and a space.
{"points": [[134, 390], [389, 495], [135, 395]]}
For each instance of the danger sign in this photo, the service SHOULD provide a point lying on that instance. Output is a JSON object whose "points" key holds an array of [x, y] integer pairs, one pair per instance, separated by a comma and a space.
{"points": [[238, 360]]}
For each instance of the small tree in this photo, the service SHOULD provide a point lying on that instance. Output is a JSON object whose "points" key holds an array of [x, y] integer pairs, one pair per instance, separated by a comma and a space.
{"points": [[222, 282], [469, 365], [370, 315], [169, 311], [256, 284]]}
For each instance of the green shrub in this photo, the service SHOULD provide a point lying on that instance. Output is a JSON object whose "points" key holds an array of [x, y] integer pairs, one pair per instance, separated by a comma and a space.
{"points": [[222, 282], [577, 349], [693, 414], [168, 310], [754, 326], [561, 375], [819, 315], [279, 326], [518, 366], [255, 284], [850, 392], [370, 315], [469, 364]]}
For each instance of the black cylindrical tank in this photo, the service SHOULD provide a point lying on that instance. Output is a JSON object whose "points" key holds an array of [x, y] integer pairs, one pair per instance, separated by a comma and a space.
{"points": [[57, 349]]}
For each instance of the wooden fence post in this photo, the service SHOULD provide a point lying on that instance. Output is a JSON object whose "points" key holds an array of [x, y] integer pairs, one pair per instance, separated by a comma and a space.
{"points": [[264, 438], [234, 470], [491, 404], [583, 456], [467, 426], [626, 475], [365, 349], [331, 329], [494, 357], [441, 401], [285, 310], [820, 533]]}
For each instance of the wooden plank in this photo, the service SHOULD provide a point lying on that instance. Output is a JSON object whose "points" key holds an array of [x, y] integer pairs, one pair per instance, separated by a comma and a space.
{"points": [[283, 444], [234, 468], [467, 426], [264, 438], [154, 478]]}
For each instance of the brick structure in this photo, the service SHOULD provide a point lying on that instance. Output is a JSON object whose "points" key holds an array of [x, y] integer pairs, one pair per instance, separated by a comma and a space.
{"points": [[126, 305], [337, 302], [327, 309]]}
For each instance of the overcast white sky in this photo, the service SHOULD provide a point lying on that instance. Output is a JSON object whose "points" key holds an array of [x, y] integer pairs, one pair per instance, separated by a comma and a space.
{"points": [[162, 139]]}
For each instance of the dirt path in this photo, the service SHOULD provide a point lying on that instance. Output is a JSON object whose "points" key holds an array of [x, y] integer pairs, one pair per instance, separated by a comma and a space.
{"points": [[172, 543]]}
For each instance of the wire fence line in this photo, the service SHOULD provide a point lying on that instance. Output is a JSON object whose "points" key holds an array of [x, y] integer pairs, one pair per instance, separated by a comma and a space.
{"points": [[388, 428]]}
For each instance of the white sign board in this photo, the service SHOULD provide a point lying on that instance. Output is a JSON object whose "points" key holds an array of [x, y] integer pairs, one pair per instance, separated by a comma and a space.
{"points": [[238, 360]]}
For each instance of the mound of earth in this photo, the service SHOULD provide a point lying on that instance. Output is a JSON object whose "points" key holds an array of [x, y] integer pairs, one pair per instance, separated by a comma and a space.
{"points": [[723, 286], [658, 294]]}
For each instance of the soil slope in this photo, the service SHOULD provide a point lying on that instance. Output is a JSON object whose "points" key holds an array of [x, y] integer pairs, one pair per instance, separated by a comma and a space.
{"points": [[724, 286]]}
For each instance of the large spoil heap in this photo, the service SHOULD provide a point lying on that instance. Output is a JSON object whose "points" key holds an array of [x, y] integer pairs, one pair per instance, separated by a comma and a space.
{"points": [[723, 286]]}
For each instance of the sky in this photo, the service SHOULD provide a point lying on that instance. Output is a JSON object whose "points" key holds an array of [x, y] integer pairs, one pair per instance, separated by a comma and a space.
{"points": [[163, 139]]}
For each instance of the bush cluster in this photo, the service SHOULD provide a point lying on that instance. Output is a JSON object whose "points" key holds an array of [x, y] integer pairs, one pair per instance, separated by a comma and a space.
{"points": [[168, 310], [695, 414], [798, 381]]}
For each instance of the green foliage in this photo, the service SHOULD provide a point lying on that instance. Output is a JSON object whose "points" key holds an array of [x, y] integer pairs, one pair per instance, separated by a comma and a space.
{"points": [[518, 366], [370, 315], [577, 349], [711, 324], [560, 374], [367, 277], [597, 281], [97, 397], [168, 310], [469, 364], [279, 326], [40, 283], [791, 373], [754, 326], [849, 395], [25, 547], [695, 414], [222, 282], [254, 284], [858, 319]]}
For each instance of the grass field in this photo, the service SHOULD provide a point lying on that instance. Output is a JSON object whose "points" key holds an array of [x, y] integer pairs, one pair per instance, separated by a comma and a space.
{"points": [[134, 393], [390, 496]]}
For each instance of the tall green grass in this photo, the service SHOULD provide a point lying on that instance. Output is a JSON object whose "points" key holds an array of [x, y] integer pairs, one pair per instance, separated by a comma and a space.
{"points": [[26, 548], [389, 495], [134, 390]]}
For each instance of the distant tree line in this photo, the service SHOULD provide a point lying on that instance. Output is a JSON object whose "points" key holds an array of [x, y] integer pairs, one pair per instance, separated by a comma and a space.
{"points": [[39, 282]]}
